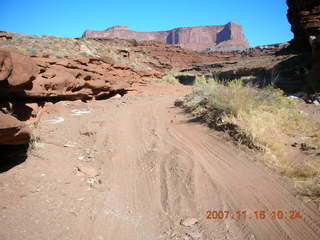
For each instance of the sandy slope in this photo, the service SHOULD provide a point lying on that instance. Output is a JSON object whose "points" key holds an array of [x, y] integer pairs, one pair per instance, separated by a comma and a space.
{"points": [[155, 168]]}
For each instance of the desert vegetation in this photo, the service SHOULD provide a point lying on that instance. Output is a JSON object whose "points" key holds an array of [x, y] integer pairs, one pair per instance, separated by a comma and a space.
{"points": [[263, 119]]}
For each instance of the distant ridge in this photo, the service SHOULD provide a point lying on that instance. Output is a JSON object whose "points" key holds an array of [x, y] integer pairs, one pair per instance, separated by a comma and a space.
{"points": [[220, 37]]}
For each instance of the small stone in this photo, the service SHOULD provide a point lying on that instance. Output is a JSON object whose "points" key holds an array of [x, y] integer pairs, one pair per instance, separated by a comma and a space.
{"points": [[252, 237], [89, 171], [78, 173], [188, 222]]}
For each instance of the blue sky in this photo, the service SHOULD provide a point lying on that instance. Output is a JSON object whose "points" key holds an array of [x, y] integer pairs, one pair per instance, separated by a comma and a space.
{"points": [[264, 22]]}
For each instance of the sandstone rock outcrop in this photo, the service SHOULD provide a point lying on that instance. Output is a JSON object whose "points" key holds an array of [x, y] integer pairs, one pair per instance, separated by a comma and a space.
{"points": [[81, 78], [77, 78], [40, 79], [17, 71], [223, 37], [304, 17]]}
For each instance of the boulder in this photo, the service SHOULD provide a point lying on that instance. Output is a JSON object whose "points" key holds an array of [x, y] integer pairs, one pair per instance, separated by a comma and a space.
{"points": [[16, 68]]}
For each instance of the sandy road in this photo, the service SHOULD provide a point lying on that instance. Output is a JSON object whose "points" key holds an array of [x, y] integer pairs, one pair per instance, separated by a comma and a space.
{"points": [[156, 168]]}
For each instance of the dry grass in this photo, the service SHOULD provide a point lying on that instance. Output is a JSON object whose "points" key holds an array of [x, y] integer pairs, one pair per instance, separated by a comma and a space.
{"points": [[170, 78], [34, 142], [263, 119]]}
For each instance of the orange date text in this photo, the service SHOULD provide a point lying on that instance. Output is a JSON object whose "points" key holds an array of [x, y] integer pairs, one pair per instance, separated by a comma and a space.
{"points": [[256, 214]]}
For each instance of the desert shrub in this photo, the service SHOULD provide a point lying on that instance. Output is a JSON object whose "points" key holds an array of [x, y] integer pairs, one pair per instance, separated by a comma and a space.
{"points": [[263, 119], [169, 78]]}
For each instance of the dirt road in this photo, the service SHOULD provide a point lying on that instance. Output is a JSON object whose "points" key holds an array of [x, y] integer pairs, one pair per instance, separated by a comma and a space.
{"points": [[138, 168]]}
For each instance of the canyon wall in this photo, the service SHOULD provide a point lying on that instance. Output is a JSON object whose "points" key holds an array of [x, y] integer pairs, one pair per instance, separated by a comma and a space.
{"points": [[221, 37]]}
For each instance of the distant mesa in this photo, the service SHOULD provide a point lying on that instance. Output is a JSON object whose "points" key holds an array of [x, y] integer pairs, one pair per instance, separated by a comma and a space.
{"points": [[217, 37]]}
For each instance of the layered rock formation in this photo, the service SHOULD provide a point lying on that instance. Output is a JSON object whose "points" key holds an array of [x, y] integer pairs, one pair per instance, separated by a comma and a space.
{"points": [[176, 58], [23, 77], [304, 17], [222, 37], [39, 79]]}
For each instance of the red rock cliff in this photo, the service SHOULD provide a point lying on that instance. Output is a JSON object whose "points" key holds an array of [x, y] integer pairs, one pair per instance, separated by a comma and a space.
{"points": [[304, 17], [222, 37]]}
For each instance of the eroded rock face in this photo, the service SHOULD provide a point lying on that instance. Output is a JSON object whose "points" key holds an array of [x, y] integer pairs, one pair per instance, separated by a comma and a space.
{"points": [[304, 17], [222, 37], [40, 79], [17, 71], [78, 78]]}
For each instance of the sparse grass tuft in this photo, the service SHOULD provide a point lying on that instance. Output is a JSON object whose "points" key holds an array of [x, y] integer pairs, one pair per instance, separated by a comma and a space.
{"points": [[35, 139], [169, 78], [34, 142]]}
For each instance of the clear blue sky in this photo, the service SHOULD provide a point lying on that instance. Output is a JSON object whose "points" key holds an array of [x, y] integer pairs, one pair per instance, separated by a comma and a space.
{"points": [[264, 21]]}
